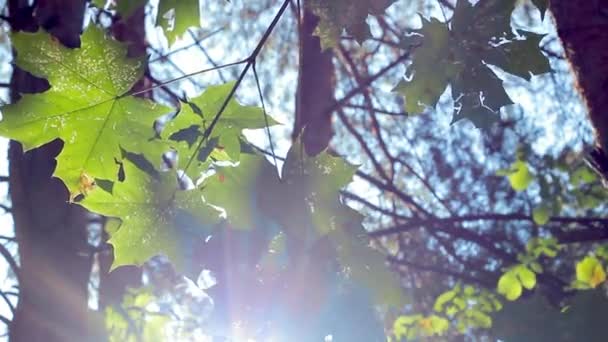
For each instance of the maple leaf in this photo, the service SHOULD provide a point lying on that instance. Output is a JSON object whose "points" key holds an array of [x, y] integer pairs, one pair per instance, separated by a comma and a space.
{"points": [[240, 190], [338, 15], [459, 53], [184, 132], [87, 105], [313, 186], [176, 16], [305, 203], [157, 218]]}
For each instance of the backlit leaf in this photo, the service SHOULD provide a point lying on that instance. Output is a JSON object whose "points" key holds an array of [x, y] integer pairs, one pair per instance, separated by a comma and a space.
{"points": [[457, 54], [176, 16], [509, 286], [425, 85], [590, 272], [338, 15], [156, 217], [184, 132], [526, 277], [87, 106], [444, 298], [240, 190], [541, 215], [520, 177]]}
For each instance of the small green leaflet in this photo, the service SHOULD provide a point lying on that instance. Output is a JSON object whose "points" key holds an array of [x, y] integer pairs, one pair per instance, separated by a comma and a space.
{"points": [[457, 54], [184, 132], [416, 327], [87, 106], [541, 214], [338, 15], [519, 175], [157, 218], [514, 280], [468, 307], [138, 322], [176, 16]]}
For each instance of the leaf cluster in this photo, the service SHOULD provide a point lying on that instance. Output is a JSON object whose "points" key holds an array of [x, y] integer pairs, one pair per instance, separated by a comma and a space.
{"points": [[168, 182], [458, 53]]}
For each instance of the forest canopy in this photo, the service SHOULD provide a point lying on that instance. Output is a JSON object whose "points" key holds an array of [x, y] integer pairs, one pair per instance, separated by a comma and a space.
{"points": [[304, 170]]}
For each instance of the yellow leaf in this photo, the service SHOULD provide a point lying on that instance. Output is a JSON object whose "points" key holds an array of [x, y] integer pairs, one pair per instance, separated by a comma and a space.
{"points": [[427, 325], [598, 277], [590, 272], [86, 184]]}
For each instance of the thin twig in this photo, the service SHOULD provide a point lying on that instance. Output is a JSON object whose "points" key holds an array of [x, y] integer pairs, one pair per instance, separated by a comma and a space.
{"points": [[250, 60], [257, 82]]}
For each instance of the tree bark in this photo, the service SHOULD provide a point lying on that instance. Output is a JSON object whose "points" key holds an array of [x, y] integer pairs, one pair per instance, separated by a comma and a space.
{"points": [[583, 29], [315, 95], [54, 255]]}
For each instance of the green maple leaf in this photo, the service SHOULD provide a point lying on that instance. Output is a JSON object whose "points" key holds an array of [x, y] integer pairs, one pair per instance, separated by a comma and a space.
{"points": [[458, 54], [427, 85], [338, 15], [306, 198], [87, 106], [312, 185], [305, 203], [186, 130], [176, 16], [315, 211], [240, 190], [156, 217]]}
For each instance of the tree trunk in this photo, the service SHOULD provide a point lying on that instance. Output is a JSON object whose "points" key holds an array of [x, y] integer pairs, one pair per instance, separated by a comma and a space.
{"points": [[54, 255], [583, 29], [315, 94]]}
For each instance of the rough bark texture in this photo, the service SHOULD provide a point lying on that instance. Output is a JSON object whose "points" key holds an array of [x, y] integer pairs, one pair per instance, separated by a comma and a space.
{"points": [[583, 29], [55, 261], [315, 94], [53, 252]]}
